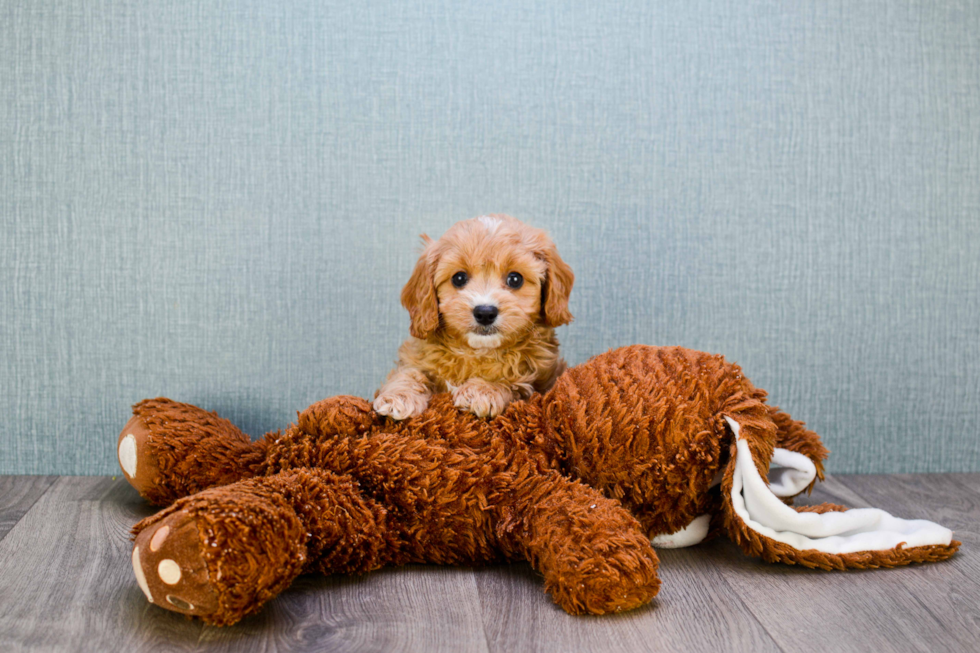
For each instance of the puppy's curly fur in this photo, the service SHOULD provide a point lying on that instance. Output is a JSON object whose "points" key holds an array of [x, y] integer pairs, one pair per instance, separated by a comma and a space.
{"points": [[484, 301]]}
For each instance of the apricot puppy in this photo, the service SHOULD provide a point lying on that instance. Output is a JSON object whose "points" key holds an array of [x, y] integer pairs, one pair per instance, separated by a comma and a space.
{"points": [[484, 301]]}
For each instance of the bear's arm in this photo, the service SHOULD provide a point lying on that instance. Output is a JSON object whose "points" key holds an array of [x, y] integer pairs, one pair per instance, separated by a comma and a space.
{"points": [[338, 416]]}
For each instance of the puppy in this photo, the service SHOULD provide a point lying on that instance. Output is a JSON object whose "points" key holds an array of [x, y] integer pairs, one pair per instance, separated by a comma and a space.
{"points": [[484, 301]]}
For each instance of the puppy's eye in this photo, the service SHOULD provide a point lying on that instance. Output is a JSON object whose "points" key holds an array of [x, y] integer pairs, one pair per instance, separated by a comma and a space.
{"points": [[515, 280], [460, 279]]}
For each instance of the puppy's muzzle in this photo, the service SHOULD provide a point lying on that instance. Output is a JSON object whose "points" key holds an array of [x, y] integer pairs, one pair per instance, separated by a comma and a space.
{"points": [[485, 315]]}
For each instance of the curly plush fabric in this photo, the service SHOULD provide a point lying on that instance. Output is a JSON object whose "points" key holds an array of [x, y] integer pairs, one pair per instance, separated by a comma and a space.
{"points": [[637, 443]]}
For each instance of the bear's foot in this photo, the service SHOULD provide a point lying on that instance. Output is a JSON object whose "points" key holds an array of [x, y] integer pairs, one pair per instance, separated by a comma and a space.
{"points": [[169, 450], [600, 577], [137, 458], [220, 554], [593, 554], [170, 567]]}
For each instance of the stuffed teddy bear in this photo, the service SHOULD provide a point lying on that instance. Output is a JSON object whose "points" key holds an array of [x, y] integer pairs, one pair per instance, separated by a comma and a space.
{"points": [[637, 444]]}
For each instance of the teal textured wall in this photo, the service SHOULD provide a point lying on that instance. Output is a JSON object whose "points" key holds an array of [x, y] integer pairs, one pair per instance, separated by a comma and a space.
{"points": [[219, 201]]}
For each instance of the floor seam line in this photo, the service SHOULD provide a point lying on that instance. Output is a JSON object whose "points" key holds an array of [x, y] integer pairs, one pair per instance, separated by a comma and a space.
{"points": [[54, 480]]}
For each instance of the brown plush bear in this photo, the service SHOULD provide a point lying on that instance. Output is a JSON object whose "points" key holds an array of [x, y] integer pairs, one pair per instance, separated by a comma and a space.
{"points": [[637, 443]]}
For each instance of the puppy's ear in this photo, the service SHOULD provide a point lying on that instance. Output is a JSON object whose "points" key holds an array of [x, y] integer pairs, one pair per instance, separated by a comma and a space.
{"points": [[558, 282], [419, 296]]}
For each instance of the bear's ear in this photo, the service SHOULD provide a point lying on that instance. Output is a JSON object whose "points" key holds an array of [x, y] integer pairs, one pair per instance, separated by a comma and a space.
{"points": [[419, 295], [558, 282]]}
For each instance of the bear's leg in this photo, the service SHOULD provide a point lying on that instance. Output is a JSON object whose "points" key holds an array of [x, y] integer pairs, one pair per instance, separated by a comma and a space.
{"points": [[169, 450], [592, 552], [222, 553]]}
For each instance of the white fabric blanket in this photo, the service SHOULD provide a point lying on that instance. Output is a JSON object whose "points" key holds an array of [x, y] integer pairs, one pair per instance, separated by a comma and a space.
{"points": [[760, 508], [858, 529]]}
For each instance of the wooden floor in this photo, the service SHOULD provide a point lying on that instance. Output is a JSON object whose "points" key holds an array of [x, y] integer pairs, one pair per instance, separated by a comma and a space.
{"points": [[66, 584]]}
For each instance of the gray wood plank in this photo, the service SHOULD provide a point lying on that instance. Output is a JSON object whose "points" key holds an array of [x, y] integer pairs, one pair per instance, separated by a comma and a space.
{"points": [[948, 592], [62, 565], [691, 613], [17, 495], [403, 609], [970, 481], [68, 586], [808, 610]]}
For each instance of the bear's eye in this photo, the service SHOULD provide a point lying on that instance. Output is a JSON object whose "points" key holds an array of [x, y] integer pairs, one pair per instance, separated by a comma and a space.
{"points": [[460, 279], [515, 280]]}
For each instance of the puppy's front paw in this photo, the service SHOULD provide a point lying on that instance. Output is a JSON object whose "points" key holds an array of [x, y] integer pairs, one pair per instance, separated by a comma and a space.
{"points": [[482, 398], [400, 405]]}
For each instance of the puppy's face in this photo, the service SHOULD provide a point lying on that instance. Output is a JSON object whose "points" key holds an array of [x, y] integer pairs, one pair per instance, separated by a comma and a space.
{"points": [[487, 282]]}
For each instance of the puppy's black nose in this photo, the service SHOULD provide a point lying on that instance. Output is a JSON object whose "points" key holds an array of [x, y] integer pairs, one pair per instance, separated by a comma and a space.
{"points": [[485, 315]]}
